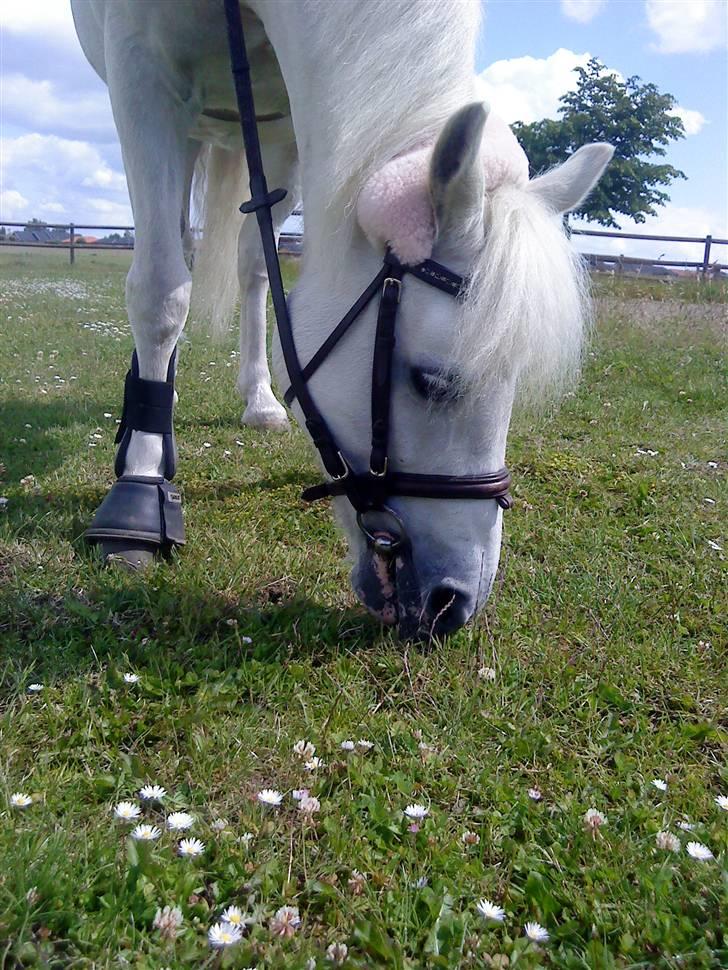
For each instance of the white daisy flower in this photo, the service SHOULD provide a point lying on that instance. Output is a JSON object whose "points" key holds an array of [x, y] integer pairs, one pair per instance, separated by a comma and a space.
{"points": [[593, 820], [535, 794], [152, 793], [191, 847], [224, 934], [146, 833], [246, 838], [298, 793], [536, 933], [269, 796], [35, 688], [660, 784], [363, 745], [19, 800], [416, 812], [722, 802], [337, 952], [686, 826], [668, 841], [470, 838], [697, 850], [285, 922], [131, 678], [304, 749], [219, 824], [127, 811], [314, 763], [357, 882], [234, 916], [487, 673], [347, 745], [490, 911], [179, 821], [247, 640], [309, 805]]}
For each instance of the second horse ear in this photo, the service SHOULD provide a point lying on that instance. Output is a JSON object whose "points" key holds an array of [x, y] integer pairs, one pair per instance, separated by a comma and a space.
{"points": [[565, 187], [456, 176]]}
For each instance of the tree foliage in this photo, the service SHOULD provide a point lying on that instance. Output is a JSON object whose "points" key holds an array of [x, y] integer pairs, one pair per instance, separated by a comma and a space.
{"points": [[634, 117]]}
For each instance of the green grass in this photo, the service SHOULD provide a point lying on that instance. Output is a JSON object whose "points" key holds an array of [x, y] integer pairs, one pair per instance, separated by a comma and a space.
{"points": [[606, 632]]}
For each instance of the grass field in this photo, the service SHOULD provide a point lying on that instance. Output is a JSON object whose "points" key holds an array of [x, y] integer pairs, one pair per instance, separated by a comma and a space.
{"points": [[599, 665]]}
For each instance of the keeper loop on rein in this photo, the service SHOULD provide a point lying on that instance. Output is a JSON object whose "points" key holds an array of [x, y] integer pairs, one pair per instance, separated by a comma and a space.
{"points": [[367, 492]]}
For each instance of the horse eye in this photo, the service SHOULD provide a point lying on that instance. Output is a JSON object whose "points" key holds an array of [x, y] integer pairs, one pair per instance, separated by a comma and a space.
{"points": [[434, 385]]}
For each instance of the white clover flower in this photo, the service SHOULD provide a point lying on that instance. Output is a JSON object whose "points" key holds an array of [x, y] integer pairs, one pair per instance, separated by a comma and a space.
{"points": [[219, 824], [536, 933], [234, 916], [20, 800], [337, 952], [490, 911], [191, 847], [168, 921], [668, 841], [416, 812], [722, 802], [487, 673], [246, 838], [686, 826], [298, 793], [347, 745], [357, 882], [309, 805], [178, 821], [314, 764], [269, 796], [223, 934], [697, 850], [131, 678], [35, 688], [362, 745], [304, 749], [127, 811], [152, 793], [535, 794], [146, 833], [660, 784], [593, 820], [285, 922]]}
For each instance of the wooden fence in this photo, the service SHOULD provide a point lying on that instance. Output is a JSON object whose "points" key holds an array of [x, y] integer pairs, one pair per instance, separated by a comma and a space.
{"points": [[290, 243]]}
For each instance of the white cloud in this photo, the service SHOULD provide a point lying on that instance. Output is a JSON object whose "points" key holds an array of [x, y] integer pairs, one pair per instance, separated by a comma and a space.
{"points": [[528, 89], [50, 171], [688, 26], [39, 106], [583, 11], [13, 205], [56, 207], [671, 220], [50, 18], [693, 121]]}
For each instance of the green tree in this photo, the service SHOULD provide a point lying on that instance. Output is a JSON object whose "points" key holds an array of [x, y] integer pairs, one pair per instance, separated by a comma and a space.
{"points": [[634, 117]]}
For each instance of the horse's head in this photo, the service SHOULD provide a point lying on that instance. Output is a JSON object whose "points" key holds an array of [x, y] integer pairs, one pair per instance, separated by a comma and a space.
{"points": [[466, 202]]}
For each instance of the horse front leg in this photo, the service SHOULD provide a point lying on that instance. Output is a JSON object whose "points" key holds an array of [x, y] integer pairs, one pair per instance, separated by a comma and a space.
{"points": [[262, 410], [142, 514]]}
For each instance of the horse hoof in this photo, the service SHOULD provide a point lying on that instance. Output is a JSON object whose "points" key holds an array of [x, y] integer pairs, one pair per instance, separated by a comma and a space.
{"points": [[266, 420], [131, 558]]}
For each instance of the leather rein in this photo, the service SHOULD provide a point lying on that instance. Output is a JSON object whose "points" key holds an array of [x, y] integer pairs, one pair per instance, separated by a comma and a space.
{"points": [[367, 491]]}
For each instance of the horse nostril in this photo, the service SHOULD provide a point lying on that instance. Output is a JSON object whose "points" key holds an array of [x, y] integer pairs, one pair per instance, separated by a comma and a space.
{"points": [[448, 608]]}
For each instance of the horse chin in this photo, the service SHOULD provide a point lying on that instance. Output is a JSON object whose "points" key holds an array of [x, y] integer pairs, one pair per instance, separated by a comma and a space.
{"points": [[389, 590]]}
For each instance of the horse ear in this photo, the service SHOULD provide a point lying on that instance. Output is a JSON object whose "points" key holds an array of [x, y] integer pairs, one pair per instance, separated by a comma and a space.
{"points": [[566, 186], [456, 175]]}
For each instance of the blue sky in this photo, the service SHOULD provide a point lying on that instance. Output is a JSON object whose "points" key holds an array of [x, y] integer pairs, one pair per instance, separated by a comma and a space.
{"points": [[60, 158]]}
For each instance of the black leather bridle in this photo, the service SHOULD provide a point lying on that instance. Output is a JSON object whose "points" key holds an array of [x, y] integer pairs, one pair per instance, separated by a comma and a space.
{"points": [[367, 491]]}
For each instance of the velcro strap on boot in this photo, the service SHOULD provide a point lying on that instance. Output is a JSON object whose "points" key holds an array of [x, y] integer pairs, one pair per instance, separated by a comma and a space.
{"points": [[148, 407]]}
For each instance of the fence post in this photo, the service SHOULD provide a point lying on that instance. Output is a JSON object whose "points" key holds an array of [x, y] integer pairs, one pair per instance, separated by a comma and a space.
{"points": [[72, 241], [706, 256]]}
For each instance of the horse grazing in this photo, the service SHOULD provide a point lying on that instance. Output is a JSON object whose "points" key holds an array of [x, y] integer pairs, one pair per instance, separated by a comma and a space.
{"points": [[372, 107]]}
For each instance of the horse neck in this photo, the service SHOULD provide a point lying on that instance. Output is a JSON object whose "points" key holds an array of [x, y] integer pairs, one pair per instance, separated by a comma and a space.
{"points": [[366, 81]]}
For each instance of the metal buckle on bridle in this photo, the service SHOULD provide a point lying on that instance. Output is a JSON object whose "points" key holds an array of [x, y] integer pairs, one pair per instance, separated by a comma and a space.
{"points": [[345, 474], [383, 472]]}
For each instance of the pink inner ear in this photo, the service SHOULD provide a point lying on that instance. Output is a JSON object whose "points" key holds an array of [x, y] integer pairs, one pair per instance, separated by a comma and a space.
{"points": [[394, 206]]}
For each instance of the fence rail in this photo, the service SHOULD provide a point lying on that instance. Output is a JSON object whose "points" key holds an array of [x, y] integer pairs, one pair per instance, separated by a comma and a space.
{"points": [[619, 262]]}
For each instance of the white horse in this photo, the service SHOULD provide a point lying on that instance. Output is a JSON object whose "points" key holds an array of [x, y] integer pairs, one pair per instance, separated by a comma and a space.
{"points": [[371, 102]]}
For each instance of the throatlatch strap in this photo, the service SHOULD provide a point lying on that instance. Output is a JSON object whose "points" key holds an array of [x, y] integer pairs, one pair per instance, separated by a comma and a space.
{"points": [[149, 407]]}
